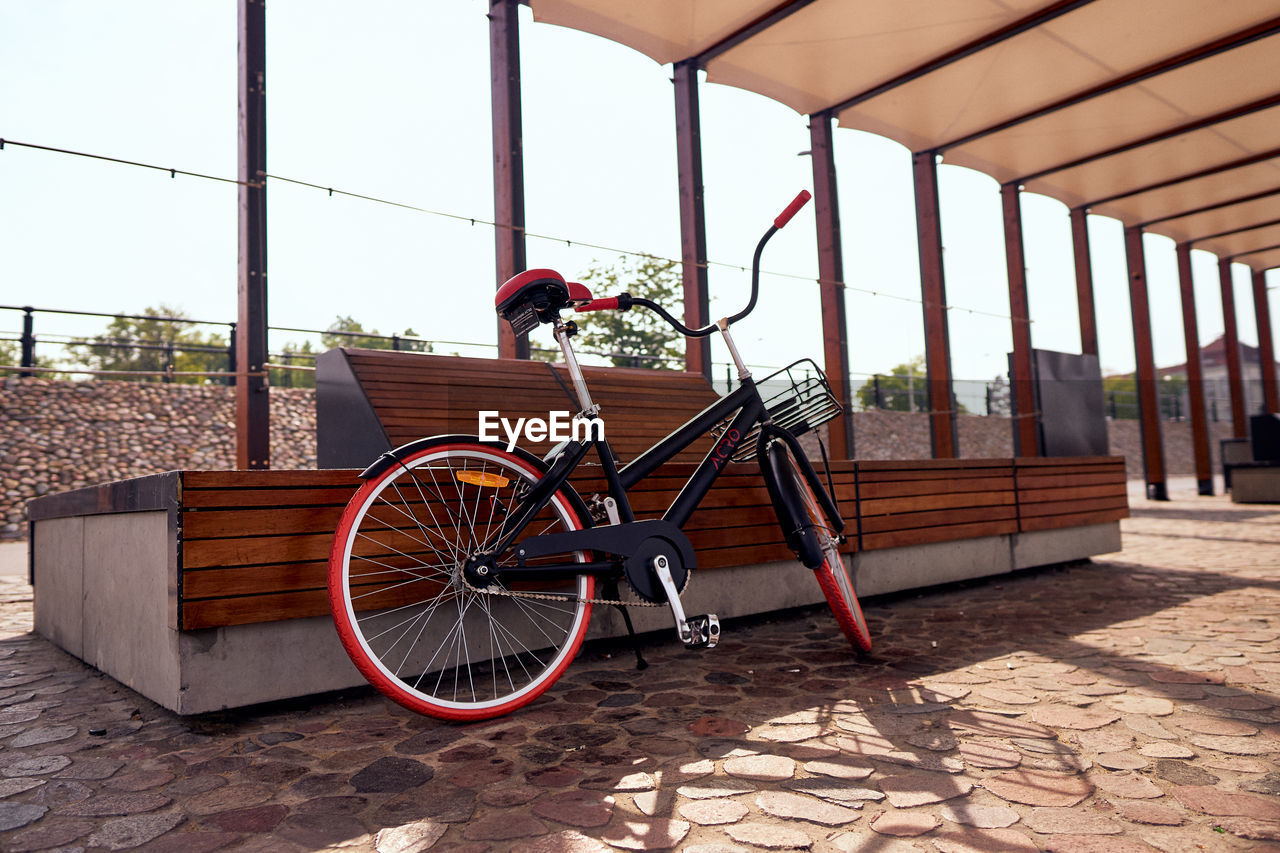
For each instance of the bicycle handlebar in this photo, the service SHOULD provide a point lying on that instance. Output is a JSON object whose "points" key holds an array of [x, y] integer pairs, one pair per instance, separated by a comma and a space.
{"points": [[798, 202], [624, 301], [610, 302]]}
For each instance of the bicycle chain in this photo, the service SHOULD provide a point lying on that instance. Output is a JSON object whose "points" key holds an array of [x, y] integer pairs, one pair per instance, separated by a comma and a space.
{"points": [[546, 596]]}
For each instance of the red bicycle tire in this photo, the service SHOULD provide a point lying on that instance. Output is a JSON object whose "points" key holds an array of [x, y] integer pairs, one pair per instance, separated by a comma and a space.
{"points": [[844, 606], [366, 661]]}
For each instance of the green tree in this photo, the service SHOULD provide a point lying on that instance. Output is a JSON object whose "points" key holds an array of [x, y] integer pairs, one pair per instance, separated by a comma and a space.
{"points": [[635, 338], [300, 356], [998, 396], [11, 354], [152, 344], [349, 332], [904, 389], [1120, 396]]}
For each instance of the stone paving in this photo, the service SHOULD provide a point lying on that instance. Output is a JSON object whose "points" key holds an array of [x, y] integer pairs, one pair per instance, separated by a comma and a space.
{"points": [[1129, 704]]}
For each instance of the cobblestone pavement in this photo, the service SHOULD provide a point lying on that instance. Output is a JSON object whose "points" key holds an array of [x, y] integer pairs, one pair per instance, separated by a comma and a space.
{"points": [[1124, 705]]}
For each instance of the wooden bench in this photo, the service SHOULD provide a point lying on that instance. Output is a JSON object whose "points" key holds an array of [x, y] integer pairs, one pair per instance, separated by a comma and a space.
{"points": [[222, 574], [368, 401], [255, 545]]}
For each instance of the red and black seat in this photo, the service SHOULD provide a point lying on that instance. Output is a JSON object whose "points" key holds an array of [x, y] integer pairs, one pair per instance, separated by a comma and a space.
{"points": [[537, 296]]}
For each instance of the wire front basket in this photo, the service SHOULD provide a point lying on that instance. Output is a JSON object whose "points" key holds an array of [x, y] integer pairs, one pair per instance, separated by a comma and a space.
{"points": [[797, 398]]}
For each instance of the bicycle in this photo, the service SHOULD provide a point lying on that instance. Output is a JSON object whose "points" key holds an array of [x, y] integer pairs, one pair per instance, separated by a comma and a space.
{"points": [[462, 573]]}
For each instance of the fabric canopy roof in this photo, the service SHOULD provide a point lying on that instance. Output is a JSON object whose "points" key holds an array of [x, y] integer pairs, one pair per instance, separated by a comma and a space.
{"points": [[1165, 115]]}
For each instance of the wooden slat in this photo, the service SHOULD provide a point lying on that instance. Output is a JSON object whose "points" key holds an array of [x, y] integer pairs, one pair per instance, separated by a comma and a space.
{"points": [[918, 520], [272, 479], [256, 544], [263, 551], [1026, 496], [933, 487], [224, 582], [1070, 507], [259, 521], [219, 612], [1054, 522], [918, 503], [941, 533], [203, 499], [1028, 481]]}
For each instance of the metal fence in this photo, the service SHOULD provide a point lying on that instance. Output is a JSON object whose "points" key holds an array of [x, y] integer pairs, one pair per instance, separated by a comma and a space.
{"points": [[25, 351]]}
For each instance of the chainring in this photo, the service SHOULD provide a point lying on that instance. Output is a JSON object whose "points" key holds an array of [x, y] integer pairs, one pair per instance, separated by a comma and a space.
{"points": [[639, 572]]}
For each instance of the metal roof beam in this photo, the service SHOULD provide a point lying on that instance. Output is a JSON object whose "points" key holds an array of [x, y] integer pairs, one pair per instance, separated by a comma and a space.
{"points": [[759, 25], [1054, 10], [1182, 129], [1172, 63]]}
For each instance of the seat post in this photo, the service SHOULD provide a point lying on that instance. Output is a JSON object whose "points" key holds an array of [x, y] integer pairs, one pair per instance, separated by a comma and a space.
{"points": [[579, 383]]}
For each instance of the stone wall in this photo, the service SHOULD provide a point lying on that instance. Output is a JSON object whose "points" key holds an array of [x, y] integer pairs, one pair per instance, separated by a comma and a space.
{"points": [[57, 435], [904, 435], [1126, 441]]}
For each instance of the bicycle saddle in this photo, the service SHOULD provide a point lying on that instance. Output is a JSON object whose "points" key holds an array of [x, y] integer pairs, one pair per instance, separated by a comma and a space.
{"points": [[537, 296]]}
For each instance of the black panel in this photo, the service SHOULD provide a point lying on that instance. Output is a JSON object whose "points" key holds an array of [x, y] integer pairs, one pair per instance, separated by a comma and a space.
{"points": [[1072, 421], [348, 433], [1265, 430]]}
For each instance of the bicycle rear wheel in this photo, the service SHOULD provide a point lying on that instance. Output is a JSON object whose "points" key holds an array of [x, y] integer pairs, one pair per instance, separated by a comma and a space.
{"points": [[831, 574], [407, 617]]}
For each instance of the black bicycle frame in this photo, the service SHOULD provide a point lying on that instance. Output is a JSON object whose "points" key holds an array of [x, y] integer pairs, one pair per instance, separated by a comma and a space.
{"points": [[745, 400]]}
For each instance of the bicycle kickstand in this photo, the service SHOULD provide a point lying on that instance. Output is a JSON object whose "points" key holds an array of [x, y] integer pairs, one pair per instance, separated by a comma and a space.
{"points": [[611, 589], [696, 632]]}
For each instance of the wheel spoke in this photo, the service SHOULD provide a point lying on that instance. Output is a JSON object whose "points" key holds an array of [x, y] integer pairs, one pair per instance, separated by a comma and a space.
{"points": [[453, 651], [414, 519]]}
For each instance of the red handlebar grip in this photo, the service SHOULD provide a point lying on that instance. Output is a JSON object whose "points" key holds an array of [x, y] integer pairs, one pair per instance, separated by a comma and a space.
{"points": [[785, 216], [599, 304]]}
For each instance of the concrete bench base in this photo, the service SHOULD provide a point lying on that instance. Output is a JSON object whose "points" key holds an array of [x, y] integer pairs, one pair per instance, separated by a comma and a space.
{"points": [[1255, 484], [102, 596]]}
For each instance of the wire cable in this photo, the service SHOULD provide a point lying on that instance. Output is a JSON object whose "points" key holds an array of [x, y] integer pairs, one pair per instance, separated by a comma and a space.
{"points": [[173, 173], [475, 220]]}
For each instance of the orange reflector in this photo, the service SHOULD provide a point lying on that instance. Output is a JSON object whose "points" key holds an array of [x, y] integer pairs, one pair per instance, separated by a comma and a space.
{"points": [[479, 478]]}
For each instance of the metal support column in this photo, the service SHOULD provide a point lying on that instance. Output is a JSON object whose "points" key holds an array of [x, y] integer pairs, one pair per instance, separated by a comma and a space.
{"points": [[933, 292], [835, 344], [693, 217], [1195, 373], [1144, 357], [253, 415], [1231, 338], [1026, 439], [1084, 281], [508, 158], [1266, 347]]}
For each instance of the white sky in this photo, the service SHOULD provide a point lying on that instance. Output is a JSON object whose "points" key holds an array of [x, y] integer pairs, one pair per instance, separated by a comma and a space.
{"points": [[391, 99]]}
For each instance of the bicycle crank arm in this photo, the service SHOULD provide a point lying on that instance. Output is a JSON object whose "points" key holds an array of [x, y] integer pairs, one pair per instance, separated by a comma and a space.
{"points": [[697, 631]]}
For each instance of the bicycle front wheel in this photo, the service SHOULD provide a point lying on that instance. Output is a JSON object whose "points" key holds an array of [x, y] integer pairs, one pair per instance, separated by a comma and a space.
{"points": [[831, 574], [412, 624]]}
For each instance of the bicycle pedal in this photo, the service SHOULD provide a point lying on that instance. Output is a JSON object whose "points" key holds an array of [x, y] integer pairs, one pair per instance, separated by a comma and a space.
{"points": [[703, 632]]}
